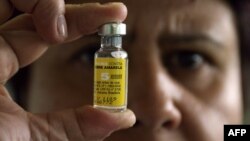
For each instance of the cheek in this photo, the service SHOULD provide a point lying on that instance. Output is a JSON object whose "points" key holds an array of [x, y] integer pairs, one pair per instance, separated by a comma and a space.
{"points": [[203, 83], [230, 99]]}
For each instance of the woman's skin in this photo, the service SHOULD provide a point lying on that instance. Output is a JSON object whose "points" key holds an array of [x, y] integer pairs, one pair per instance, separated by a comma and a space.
{"points": [[184, 74]]}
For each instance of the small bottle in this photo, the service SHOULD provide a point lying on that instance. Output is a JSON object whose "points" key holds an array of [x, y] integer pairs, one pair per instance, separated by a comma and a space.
{"points": [[111, 69]]}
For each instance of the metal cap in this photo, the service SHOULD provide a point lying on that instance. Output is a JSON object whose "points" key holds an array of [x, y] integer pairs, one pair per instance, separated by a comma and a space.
{"points": [[110, 29]]}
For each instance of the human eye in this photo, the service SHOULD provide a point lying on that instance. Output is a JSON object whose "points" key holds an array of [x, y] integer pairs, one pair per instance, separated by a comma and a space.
{"points": [[185, 61], [190, 67]]}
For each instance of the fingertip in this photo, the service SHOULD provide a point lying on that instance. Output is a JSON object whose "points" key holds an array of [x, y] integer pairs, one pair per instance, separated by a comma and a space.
{"points": [[120, 120], [127, 118], [119, 10], [132, 118]]}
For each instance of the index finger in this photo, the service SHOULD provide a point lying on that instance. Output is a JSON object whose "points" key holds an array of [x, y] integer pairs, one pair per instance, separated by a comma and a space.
{"points": [[48, 16], [20, 45]]}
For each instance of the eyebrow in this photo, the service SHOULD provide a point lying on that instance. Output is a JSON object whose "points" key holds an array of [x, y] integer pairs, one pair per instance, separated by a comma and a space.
{"points": [[188, 38]]}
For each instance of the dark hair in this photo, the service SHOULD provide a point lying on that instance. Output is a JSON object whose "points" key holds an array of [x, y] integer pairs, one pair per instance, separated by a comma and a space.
{"points": [[242, 14]]}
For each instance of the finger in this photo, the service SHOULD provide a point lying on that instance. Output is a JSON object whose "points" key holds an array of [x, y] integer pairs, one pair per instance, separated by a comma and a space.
{"points": [[96, 124], [8, 61], [48, 17], [21, 45], [86, 19], [21, 22], [82, 19], [6, 10], [26, 46], [22, 42], [18, 47], [84, 124]]}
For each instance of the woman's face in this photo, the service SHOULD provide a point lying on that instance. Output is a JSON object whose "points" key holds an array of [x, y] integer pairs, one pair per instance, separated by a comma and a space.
{"points": [[184, 76]]}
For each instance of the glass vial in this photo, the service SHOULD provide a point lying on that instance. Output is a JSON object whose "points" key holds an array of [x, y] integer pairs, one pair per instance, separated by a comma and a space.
{"points": [[111, 69]]}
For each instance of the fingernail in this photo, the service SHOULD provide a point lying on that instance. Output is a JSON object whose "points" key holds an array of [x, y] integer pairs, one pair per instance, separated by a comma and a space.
{"points": [[62, 26]]}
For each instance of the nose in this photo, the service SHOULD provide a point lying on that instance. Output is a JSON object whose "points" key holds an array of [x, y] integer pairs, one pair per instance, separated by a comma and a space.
{"points": [[152, 95]]}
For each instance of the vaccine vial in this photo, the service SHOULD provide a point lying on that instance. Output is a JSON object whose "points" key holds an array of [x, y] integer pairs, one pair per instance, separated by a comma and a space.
{"points": [[111, 69]]}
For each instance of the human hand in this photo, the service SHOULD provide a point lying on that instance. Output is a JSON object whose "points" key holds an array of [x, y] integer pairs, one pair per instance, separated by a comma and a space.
{"points": [[22, 40]]}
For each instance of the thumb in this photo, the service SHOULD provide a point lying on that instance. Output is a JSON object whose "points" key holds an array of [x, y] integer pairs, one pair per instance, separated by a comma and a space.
{"points": [[85, 124], [99, 124]]}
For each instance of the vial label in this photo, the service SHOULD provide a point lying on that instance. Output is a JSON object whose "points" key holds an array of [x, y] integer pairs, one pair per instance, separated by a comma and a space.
{"points": [[110, 82]]}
